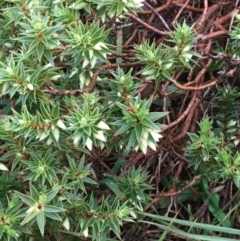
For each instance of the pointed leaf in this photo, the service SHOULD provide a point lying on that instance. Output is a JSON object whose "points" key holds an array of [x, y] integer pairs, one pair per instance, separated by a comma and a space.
{"points": [[52, 194], [41, 222], [124, 128], [53, 209]]}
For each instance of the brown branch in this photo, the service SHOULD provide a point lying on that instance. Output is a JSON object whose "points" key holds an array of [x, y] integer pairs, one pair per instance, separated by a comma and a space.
{"points": [[147, 25], [159, 9], [188, 121], [159, 16], [93, 80], [203, 17], [216, 34], [179, 12], [107, 66], [131, 38], [189, 8], [210, 11], [171, 193], [194, 102], [188, 88]]}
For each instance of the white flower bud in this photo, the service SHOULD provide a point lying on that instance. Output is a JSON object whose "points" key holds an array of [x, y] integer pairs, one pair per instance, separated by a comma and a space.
{"points": [[3, 167], [85, 233], [49, 141], [5, 87], [148, 72], [155, 135], [136, 148], [133, 214], [102, 145], [85, 62], [187, 56], [66, 223], [168, 66], [43, 136], [93, 61], [152, 145], [100, 136], [30, 87], [187, 48], [61, 125], [47, 66], [237, 16], [90, 53], [31, 209], [21, 122], [9, 45], [55, 77], [76, 139], [143, 146], [145, 134], [56, 134], [231, 123], [9, 70], [97, 46], [89, 144], [102, 125], [138, 198]]}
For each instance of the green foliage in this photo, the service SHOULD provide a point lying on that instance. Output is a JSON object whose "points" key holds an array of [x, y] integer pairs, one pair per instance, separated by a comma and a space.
{"points": [[86, 44], [115, 8], [38, 207], [47, 183], [176, 225], [138, 125], [60, 120], [160, 61], [10, 228], [213, 151]]}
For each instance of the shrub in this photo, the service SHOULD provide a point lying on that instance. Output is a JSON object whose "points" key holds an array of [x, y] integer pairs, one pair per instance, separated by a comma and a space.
{"points": [[66, 107]]}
